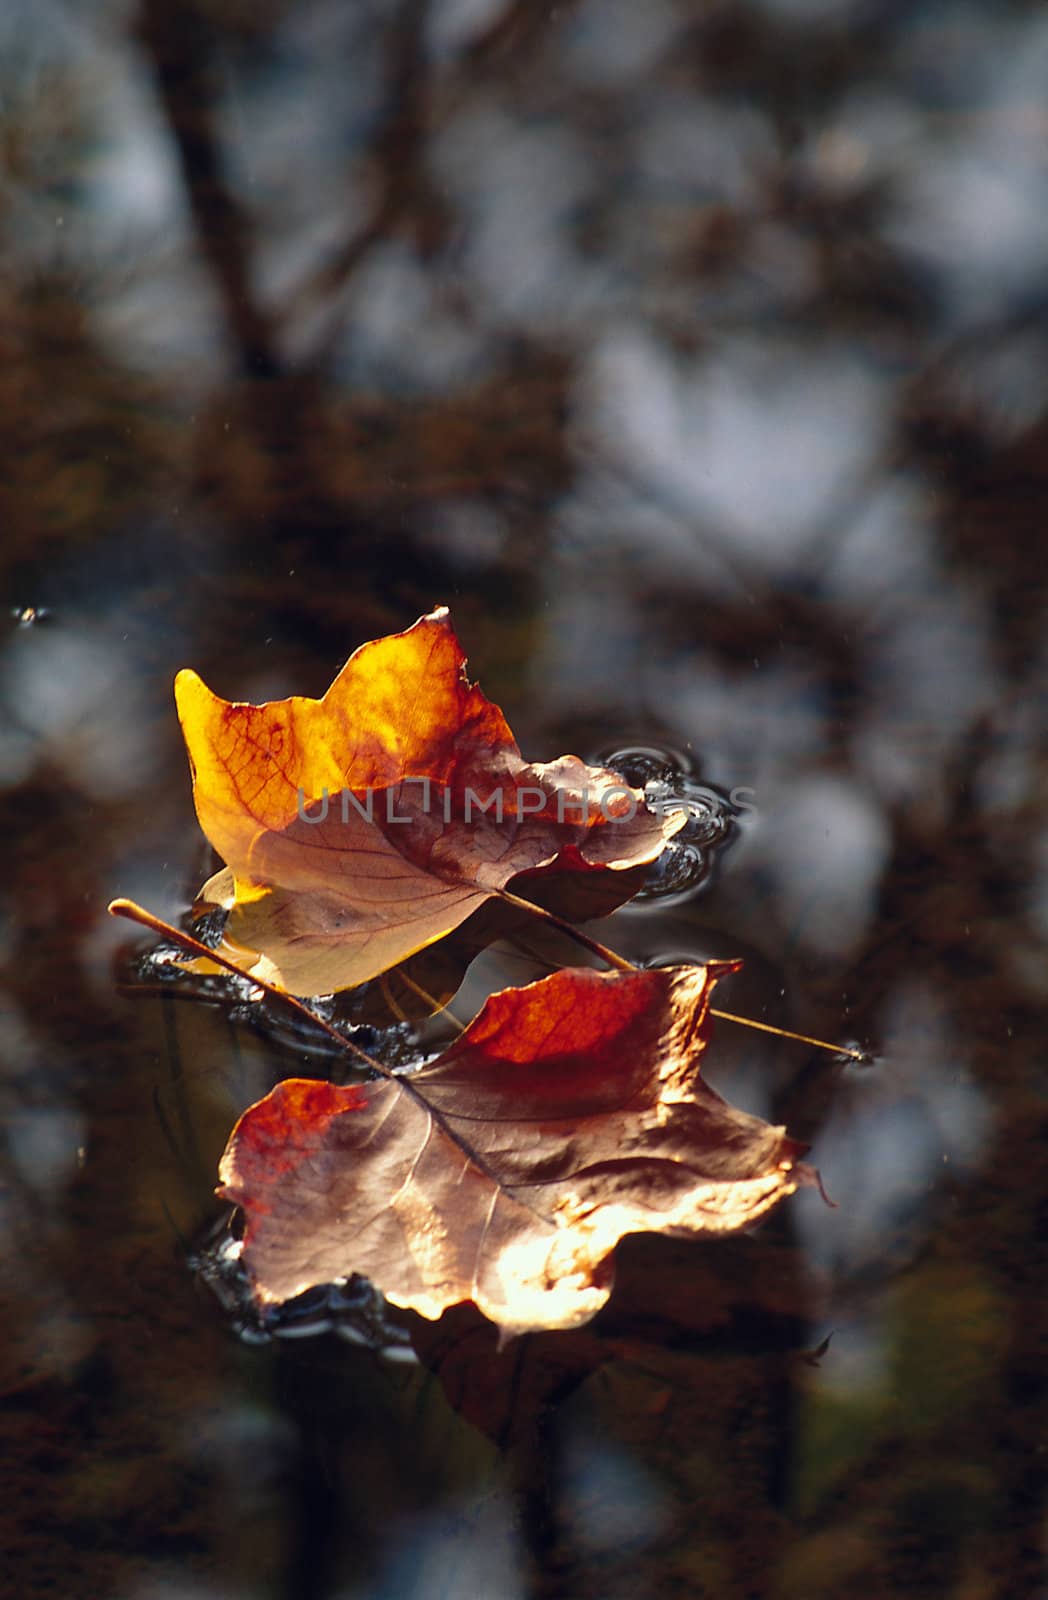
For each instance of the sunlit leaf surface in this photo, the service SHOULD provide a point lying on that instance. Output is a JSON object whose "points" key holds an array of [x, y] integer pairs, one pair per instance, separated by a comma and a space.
{"points": [[363, 826], [568, 1114]]}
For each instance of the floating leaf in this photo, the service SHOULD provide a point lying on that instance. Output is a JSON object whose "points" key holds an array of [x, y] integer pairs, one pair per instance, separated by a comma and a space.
{"points": [[568, 1114], [366, 825]]}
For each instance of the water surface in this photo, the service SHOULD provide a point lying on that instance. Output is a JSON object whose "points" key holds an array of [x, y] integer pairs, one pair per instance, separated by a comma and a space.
{"points": [[697, 358]]}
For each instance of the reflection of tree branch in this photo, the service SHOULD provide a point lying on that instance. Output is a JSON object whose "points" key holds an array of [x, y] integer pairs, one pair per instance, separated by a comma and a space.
{"points": [[510, 34], [396, 153], [395, 161], [176, 39]]}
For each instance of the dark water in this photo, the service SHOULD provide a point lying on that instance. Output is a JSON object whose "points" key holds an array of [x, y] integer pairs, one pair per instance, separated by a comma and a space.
{"points": [[697, 356]]}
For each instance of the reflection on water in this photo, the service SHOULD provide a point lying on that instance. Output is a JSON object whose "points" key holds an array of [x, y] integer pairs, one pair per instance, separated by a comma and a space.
{"points": [[697, 357], [351, 1308], [671, 785]]}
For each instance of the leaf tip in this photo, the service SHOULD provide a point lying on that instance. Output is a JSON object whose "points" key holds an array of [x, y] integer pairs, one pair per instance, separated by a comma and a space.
{"points": [[716, 970], [186, 682]]}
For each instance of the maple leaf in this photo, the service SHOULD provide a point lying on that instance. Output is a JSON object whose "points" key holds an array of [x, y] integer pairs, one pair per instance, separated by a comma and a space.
{"points": [[360, 827], [568, 1114]]}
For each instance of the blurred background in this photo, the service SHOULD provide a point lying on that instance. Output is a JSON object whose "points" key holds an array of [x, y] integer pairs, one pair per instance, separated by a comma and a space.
{"points": [[696, 354]]}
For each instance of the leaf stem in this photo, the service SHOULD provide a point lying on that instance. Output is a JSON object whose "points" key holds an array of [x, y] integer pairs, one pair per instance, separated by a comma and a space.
{"points": [[137, 913], [439, 1006], [597, 949], [620, 962], [787, 1033]]}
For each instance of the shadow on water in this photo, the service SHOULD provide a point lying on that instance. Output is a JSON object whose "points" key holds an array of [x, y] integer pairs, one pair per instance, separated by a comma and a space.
{"points": [[696, 356]]}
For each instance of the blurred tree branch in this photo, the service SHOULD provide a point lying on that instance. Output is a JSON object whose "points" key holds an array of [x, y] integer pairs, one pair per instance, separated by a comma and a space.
{"points": [[177, 40]]}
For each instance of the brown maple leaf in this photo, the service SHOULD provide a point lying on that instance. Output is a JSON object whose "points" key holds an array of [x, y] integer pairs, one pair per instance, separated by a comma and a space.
{"points": [[568, 1114], [363, 826]]}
